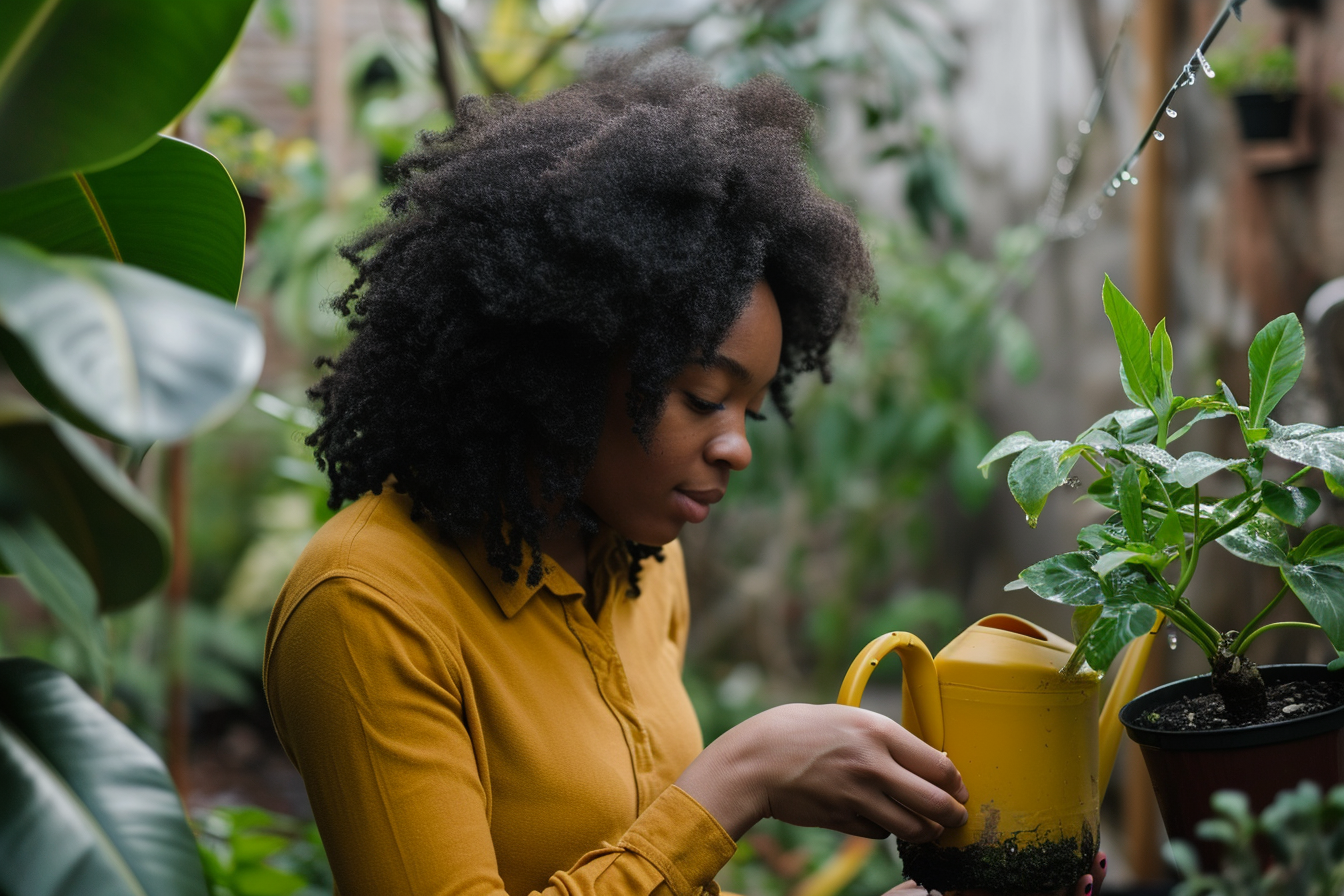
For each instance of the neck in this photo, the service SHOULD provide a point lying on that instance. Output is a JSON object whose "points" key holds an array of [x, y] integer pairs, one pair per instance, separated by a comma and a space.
{"points": [[566, 546]]}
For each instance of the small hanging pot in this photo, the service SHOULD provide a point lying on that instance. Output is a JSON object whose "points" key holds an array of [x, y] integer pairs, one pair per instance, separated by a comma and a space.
{"points": [[1266, 116]]}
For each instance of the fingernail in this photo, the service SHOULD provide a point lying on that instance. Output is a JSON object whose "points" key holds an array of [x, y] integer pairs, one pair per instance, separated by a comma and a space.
{"points": [[1103, 861], [1087, 889]]}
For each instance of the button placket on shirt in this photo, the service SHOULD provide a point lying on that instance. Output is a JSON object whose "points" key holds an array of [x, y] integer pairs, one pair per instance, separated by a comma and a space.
{"points": [[598, 641]]}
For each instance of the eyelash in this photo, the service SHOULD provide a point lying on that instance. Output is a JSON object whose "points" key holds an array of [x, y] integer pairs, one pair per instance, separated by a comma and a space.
{"points": [[706, 407]]}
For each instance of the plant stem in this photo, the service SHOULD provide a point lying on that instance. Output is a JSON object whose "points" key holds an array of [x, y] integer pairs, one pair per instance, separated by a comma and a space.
{"points": [[1258, 632], [1298, 475], [1239, 645], [1195, 628], [1188, 566], [1100, 468]]}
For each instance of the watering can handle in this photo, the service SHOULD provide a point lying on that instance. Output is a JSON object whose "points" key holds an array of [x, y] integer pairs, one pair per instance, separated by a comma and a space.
{"points": [[921, 680]]}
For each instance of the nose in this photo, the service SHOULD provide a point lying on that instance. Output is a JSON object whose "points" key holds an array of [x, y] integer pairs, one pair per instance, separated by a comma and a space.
{"points": [[729, 449]]}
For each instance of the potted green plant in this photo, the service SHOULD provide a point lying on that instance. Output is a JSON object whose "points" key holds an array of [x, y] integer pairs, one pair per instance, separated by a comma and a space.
{"points": [[1141, 559], [1263, 84]]}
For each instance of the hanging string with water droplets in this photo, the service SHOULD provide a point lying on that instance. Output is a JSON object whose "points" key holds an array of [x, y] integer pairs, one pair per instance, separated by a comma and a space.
{"points": [[1077, 223]]}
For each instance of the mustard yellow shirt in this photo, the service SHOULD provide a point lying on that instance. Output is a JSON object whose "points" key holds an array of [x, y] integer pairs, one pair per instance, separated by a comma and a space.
{"points": [[460, 735]]}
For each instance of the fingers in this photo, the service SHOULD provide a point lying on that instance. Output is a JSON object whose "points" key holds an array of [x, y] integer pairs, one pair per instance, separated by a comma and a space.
{"points": [[1085, 886], [926, 762], [924, 797], [1098, 873], [892, 817]]}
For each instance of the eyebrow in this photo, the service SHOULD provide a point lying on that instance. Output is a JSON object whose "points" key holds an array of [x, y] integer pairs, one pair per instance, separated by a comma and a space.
{"points": [[732, 367]]}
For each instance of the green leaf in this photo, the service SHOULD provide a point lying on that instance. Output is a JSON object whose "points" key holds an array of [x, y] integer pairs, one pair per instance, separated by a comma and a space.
{"points": [[1323, 545], [1336, 488], [1159, 347], [262, 880], [1275, 358], [1309, 445], [1320, 587], [1007, 446], [88, 83], [1196, 466], [1132, 338], [1131, 501], [1099, 537], [172, 210], [1290, 503], [1112, 560], [1083, 619], [1119, 624], [88, 807], [1103, 491], [33, 552], [122, 351], [1262, 539], [1037, 471], [1151, 455], [1066, 579], [1136, 584], [114, 532]]}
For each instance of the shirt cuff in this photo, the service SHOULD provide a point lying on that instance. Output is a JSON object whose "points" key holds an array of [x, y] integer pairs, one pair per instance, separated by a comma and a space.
{"points": [[682, 840]]}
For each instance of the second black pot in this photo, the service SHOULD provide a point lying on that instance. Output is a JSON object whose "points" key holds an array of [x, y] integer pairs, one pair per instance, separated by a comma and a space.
{"points": [[1188, 767], [1266, 116]]}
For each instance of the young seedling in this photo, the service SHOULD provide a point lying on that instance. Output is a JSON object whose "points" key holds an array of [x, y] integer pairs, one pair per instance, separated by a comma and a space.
{"points": [[1144, 556]]}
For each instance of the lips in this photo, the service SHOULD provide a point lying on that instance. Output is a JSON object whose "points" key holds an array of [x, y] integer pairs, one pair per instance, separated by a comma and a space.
{"points": [[694, 503]]}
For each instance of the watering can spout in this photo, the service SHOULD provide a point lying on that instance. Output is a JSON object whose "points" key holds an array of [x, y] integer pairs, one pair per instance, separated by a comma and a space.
{"points": [[1124, 689], [920, 681]]}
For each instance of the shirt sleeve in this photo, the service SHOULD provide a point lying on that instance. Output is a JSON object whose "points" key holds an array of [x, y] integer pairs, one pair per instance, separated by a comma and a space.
{"points": [[368, 706]]}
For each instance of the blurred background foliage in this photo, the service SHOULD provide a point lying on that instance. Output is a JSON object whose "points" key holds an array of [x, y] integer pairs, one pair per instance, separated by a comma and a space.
{"points": [[828, 539]]}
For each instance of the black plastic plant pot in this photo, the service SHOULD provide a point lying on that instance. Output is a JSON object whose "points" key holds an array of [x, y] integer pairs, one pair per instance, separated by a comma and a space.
{"points": [[1187, 767], [1266, 116]]}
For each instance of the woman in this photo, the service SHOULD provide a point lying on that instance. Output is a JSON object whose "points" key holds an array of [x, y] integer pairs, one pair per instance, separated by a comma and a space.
{"points": [[560, 330]]}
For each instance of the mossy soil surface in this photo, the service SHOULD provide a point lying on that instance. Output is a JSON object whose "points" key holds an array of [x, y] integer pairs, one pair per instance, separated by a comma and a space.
{"points": [[1291, 700], [1003, 866]]}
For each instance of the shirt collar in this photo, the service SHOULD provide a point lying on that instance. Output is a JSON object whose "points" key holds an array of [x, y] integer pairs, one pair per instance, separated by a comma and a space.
{"points": [[606, 552]]}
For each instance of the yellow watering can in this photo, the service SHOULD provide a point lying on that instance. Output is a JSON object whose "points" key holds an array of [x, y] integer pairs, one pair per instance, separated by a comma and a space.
{"points": [[1027, 743]]}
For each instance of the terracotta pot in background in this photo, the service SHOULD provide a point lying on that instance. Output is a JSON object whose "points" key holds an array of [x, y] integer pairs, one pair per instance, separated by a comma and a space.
{"points": [[1187, 767], [1266, 116]]}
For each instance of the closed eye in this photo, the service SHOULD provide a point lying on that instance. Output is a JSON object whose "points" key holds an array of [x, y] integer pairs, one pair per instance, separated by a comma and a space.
{"points": [[704, 407], [755, 415]]}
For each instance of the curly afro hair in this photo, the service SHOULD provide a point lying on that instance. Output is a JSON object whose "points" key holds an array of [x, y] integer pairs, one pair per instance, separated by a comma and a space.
{"points": [[531, 247]]}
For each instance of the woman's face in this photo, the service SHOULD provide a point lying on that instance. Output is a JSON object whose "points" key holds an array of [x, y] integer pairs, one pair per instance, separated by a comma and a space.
{"points": [[647, 496]]}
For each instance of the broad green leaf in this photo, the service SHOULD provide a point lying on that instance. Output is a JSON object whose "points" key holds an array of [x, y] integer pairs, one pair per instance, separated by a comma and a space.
{"points": [[263, 880], [1132, 337], [1220, 517], [1323, 545], [1312, 446], [1099, 439], [114, 532], [1066, 579], [87, 83], [1112, 560], [1151, 455], [1007, 446], [1104, 492], [172, 210], [1119, 624], [1275, 358], [1100, 537], [1037, 471], [1136, 584], [1131, 501], [120, 350], [1290, 503], [1170, 533], [1196, 466], [88, 807], [1261, 539], [1335, 486], [1129, 425], [32, 551], [1320, 587]]}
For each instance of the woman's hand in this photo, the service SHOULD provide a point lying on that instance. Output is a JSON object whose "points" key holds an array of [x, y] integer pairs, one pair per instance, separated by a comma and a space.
{"points": [[1088, 884], [830, 766]]}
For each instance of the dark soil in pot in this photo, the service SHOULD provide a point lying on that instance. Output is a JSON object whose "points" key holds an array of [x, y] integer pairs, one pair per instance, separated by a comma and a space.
{"points": [[1001, 866], [1188, 765], [1286, 701]]}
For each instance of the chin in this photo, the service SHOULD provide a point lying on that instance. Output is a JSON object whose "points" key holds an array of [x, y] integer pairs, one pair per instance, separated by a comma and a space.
{"points": [[653, 535]]}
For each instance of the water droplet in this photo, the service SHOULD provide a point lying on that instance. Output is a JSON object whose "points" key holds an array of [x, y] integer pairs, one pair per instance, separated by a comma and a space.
{"points": [[1171, 640], [1064, 166], [1116, 183], [1208, 69], [1133, 181], [1110, 191], [1124, 175], [1171, 113], [1189, 74], [1094, 212], [1159, 136], [1084, 127]]}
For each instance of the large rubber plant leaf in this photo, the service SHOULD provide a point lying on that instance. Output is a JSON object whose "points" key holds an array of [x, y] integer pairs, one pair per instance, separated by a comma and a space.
{"points": [[88, 807], [35, 553], [88, 83], [1066, 579], [1307, 444], [172, 210], [1261, 539], [1290, 503], [1320, 587], [1275, 359], [122, 351], [106, 523], [1195, 466]]}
